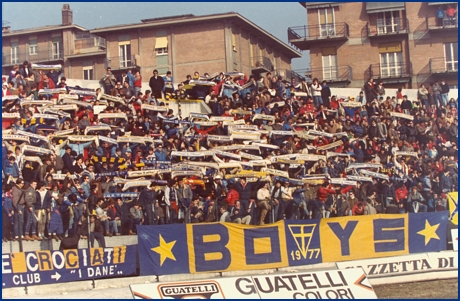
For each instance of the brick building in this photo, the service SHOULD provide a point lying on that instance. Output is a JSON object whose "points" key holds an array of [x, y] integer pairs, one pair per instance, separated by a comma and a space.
{"points": [[81, 53], [402, 44], [182, 44], [187, 43]]}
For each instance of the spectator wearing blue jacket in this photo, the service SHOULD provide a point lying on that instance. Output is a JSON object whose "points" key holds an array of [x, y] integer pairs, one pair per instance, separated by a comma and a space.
{"points": [[160, 154], [10, 168], [359, 153], [79, 147]]}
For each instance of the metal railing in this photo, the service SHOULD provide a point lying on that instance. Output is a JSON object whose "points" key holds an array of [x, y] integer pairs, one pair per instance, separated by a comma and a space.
{"points": [[446, 22], [391, 70], [261, 62], [382, 28], [288, 75], [37, 57], [329, 30], [330, 74], [87, 40], [440, 65], [119, 62]]}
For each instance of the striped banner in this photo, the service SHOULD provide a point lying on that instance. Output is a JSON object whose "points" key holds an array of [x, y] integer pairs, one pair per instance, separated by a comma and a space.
{"points": [[52, 91], [32, 159], [154, 108], [198, 116], [342, 181], [227, 154], [220, 138], [249, 156], [30, 148], [46, 67], [32, 135], [276, 172], [236, 122], [112, 115], [401, 115], [310, 157], [67, 96], [97, 128], [64, 132], [318, 133], [330, 145], [82, 138], [37, 102], [358, 178], [15, 137], [112, 98], [246, 135], [107, 139], [221, 118], [187, 173], [363, 165], [191, 154], [10, 115], [402, 153], [374, 174], [263, 117]]}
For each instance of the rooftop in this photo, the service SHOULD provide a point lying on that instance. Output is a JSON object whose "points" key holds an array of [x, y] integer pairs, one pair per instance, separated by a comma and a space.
{"points": [[41, 29], [190, 18]]}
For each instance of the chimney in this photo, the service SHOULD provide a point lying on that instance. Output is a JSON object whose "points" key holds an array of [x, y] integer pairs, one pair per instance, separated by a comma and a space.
{"points": [[67, 15]]}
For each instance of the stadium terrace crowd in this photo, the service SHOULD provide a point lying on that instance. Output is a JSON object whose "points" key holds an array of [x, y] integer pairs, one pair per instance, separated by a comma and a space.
{"points": [[94, 163]]}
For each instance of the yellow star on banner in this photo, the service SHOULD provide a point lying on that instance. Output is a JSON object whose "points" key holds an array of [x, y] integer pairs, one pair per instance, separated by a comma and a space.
{"points": [[429, 232], [165, 250]]}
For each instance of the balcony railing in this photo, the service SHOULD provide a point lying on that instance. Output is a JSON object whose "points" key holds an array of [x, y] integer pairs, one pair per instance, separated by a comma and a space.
{"points": [[86, 42], [322, 31], [119, 62], [43, 56], [446, 23], [330, 74], [440, 65], [388, 71], [382, 28], [287, 74], [261, 63]]}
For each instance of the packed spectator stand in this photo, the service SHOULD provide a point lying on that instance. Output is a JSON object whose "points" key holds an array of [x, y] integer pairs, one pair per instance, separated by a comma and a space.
{"points": [[90, 163]]}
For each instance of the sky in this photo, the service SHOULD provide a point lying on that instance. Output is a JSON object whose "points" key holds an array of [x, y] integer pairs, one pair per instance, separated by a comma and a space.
{"points": [[274, 17]]}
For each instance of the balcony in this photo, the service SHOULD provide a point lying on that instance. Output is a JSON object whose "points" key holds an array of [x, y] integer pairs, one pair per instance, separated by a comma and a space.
{"points": [[384, 30], [51, 56], [122, 63], [261, 64], [334, 76], [391, 73], [440, 66], [303, 37], [447, 24], [86, 43], [288, 74]]}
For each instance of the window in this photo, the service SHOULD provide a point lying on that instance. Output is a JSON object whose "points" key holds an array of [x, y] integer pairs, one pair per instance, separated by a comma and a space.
{"points": [[451, 56], [14, 53], [326, 21], [388, 22], [32, 46], [56, 49], [391, 64], [88, 73], [251, 53], [161, 45], [124, 54], [234, 42], [329, 63]]}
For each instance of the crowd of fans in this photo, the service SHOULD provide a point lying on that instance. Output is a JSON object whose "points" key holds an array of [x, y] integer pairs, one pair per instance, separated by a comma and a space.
{"points": [[277, 150]]}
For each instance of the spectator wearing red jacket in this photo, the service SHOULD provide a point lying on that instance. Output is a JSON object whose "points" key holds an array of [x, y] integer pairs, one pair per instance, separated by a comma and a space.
{"points": [[324, 191], [232, 196], [358, 209]]}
